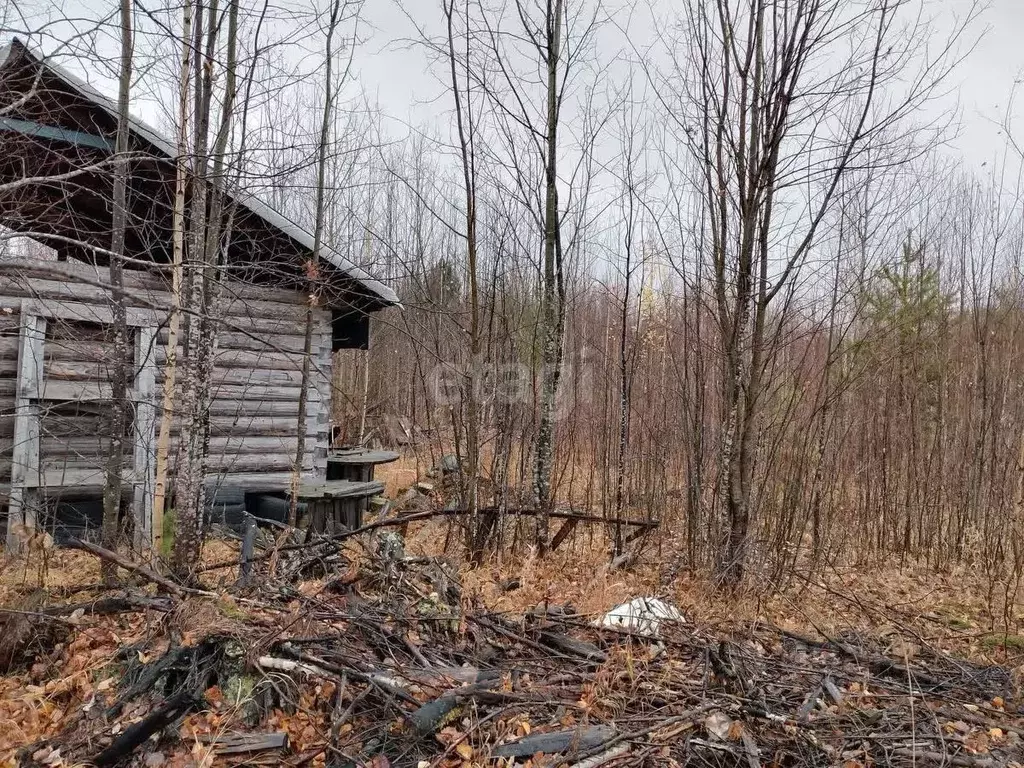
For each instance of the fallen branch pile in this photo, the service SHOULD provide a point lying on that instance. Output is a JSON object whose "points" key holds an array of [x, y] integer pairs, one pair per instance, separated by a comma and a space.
{"points": [[363, 657]]}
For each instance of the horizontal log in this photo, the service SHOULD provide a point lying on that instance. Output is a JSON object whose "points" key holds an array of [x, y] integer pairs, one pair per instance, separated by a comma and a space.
{"points": [[244, 358], [250, 341], [78, 391], [90, 447], [72, 477], [271, 462], [8, 347], [152, 280], [76, 370], [254, 481], [98, 446], [81, 350], [83, 313], [231, 304], [259, 393], [254, 407]]}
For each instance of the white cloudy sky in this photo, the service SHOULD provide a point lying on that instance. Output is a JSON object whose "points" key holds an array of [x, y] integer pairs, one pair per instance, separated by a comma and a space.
{"points": [[396, 75]]}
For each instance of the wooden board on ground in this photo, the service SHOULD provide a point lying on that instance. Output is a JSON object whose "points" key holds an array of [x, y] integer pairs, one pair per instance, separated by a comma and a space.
{"points": [[340, 489], [362, 456]]}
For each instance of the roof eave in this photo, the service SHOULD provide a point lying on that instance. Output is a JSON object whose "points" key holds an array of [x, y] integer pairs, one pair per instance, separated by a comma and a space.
{"points": [[384, 296]]}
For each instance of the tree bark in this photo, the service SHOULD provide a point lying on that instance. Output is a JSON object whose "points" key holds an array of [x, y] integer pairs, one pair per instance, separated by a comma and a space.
{"points": [[178, 258], [551, 304], [120, 407]]}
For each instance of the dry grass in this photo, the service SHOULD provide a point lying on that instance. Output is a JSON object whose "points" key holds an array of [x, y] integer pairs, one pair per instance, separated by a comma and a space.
{"points": [[954, 611]]}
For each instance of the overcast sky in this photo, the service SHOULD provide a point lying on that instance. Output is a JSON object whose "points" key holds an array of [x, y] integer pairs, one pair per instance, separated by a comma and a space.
{"points": [[396, 74], [980, 89]]}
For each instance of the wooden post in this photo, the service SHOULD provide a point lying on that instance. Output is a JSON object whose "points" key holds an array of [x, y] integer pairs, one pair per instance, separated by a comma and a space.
{"points": [[248, 544], [145, 438], [24, 500]]}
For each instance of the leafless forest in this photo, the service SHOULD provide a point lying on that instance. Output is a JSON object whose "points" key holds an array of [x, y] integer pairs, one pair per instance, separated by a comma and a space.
{"points": [[723, 276], [699, 308]]}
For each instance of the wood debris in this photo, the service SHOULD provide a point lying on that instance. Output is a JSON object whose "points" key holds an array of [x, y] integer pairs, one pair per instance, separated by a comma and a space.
{"points": [[343, 653]]}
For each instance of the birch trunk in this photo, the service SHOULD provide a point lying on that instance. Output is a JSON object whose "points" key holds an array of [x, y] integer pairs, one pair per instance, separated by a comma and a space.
{"points": [[178, 254], [206, 241]]}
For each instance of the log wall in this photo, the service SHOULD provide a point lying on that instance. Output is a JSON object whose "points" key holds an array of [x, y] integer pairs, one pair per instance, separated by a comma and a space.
{"points": [[256, 378]]}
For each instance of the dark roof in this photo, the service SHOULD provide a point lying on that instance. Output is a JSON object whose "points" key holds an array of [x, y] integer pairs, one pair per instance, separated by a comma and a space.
{"points": [[66, 111]]}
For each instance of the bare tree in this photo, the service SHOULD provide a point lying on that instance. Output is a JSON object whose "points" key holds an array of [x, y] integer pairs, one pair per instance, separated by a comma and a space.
{"points": [[767, 143], [339, 11], [120, 407], [200, 280], [177, 261]]}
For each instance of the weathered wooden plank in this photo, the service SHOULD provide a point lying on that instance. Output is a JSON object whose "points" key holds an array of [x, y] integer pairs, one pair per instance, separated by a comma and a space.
{"points": [[340, 489], [322, 408], [237, 743], [144, 443], [25, 449]]}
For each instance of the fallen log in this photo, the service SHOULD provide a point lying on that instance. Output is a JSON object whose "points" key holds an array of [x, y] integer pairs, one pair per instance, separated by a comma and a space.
{"points": [[642, 732], [128, 565], [560, 741], [432, 716], [139, 732], [393, 522], [574, 647], [114, 604]]}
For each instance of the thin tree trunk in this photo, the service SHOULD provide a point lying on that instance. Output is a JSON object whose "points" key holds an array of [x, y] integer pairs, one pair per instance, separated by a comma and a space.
{"points": [[312, 266], [178, 257], [551, 309], [200, 300], [464, 124], [119, 407]]}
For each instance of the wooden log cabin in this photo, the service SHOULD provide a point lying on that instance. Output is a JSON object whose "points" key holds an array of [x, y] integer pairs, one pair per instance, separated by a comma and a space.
{"points": [[56, 140]]}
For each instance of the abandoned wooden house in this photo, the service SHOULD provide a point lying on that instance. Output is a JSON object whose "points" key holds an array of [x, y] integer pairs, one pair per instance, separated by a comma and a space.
{"points": [[56, 132]]}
